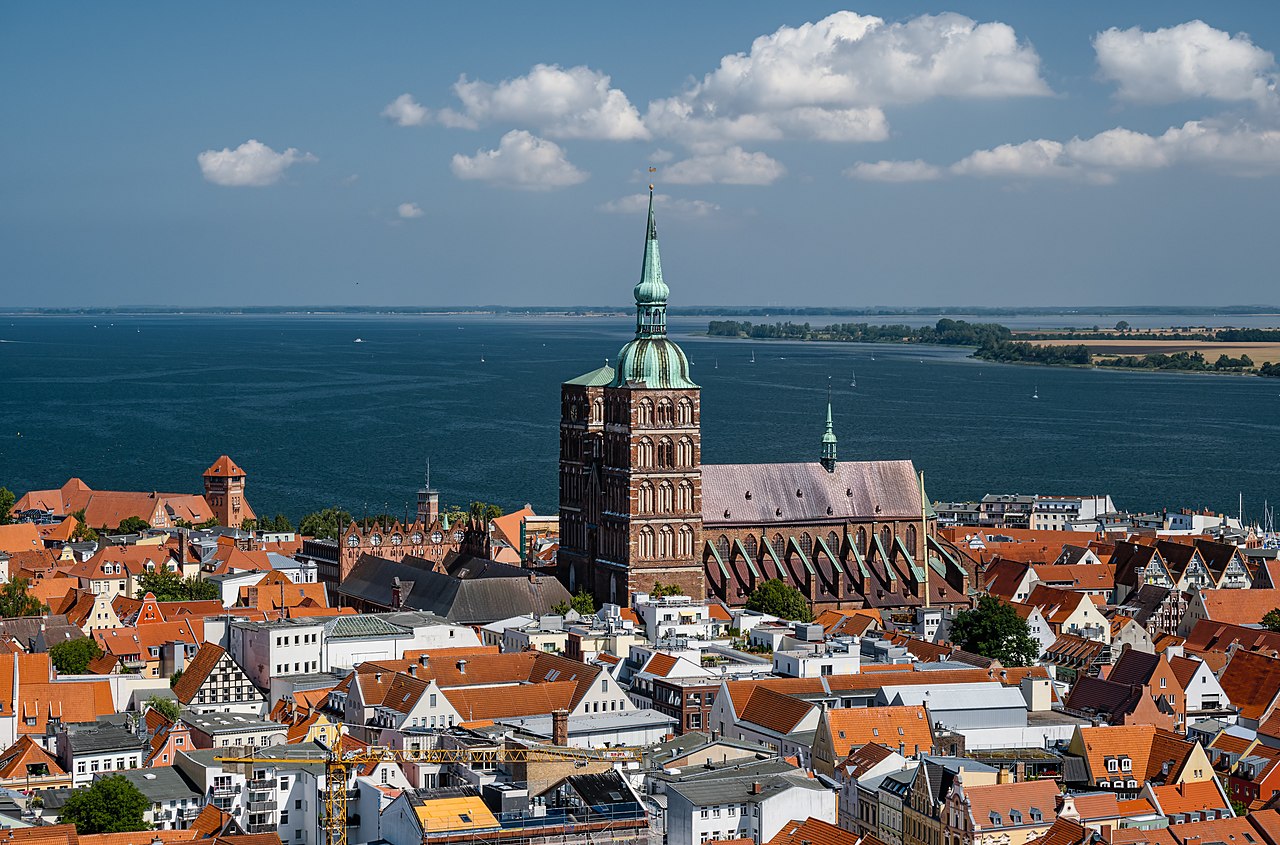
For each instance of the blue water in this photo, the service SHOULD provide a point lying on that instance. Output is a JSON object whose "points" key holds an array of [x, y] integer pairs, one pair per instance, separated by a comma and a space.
{"points": [[315, 419]]}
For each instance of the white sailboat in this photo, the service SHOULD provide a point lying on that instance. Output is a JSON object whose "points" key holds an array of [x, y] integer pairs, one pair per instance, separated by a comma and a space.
{"points": [[1035, 393], [853, 380], [753, 356]]}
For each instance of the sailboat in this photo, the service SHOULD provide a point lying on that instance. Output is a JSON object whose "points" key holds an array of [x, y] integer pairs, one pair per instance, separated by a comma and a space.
{"points": [[853, 380], [1035, 393], [717, 366], [753, 356]]}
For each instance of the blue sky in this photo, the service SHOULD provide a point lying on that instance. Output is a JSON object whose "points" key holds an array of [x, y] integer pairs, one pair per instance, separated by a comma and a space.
{"points": [[807, 153]]}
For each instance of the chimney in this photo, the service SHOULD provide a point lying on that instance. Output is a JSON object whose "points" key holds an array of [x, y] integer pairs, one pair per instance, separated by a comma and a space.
{"points": [[1005, 775], [462, 666], [423, 659], [756, 788], [560, 728], [413, 670]]}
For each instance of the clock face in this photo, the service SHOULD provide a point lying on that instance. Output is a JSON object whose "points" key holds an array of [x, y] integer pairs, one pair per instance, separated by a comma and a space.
{"points": [[416, 538], [437, 537], [376, 540], [457, 536], [353, 540], [396, 539]]}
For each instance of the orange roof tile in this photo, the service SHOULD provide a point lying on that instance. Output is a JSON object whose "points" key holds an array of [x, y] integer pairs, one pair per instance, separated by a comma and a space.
{"points": [[197, 672], [660, 663], [1229, 831], [1177, 798], [774, 711], [1147, 747], [507, 702], [15, 759], [1240, 607], [812, 831], [1251, 681], [20, 537], [1004, 798], [224, 467], [902, 727]]}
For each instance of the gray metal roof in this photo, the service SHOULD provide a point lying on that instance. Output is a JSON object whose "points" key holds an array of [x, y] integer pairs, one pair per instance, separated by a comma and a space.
{"points": [[853, 491], [724, 790], [103, 738], [362, 627], [219, 723], [160, 784], [590, 722]]}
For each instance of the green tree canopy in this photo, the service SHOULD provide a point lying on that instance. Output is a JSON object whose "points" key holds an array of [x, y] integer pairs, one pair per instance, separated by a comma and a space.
{"points": [[83, 531], [110, 804], [778, 598], [326, 524], [73, 656], [1271, 621], [170, 586], [995, 630], [166, 707], [278, 523], [132, 525], [6, 505], [16, 601], [582, 601], [660, 589]]}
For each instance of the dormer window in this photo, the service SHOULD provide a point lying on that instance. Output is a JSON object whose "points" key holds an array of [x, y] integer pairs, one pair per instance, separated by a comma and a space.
{"points": [[1113, 765], [1126, 765], [1036, 815], [995, 818]]}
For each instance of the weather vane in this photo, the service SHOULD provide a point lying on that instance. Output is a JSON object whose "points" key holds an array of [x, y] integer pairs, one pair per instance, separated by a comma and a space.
{"points": [[652, 170]]}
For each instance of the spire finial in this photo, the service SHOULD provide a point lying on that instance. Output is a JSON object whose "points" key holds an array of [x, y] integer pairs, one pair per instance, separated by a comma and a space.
{"points": [[828, 460]]}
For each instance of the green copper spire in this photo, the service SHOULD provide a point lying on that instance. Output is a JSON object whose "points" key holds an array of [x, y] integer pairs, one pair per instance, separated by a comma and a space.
{"points": [[652, 360], [829, 440]]}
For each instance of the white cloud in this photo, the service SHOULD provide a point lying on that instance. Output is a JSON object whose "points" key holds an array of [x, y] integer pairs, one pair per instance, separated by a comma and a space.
{"points": [[406, 111], [733, 166], [661, 156], [1238, 148], [576, 102], [894, 171], [409, 210], [1187, 61], [252, 164], [828, 80], [639, 204], [522, 161]]}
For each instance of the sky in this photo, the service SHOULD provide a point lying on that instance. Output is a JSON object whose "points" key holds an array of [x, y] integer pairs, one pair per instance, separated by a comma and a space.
{"points": [[422, 154]]}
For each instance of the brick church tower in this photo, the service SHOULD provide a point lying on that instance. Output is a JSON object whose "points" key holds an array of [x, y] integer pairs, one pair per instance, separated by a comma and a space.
{"points": [[630, 461]]}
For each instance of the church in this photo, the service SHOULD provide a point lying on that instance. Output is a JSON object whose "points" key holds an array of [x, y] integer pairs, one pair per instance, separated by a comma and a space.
{"points": [[638, 507]]}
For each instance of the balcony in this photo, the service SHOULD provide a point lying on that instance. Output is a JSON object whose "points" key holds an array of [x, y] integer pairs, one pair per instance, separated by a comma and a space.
{"points": [[261, 806], [262, 783], [262, 827], [224, 791]]}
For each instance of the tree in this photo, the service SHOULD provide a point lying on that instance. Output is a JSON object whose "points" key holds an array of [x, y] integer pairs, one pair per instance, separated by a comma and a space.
{"points": [[778, 598], [583, 602], [132, 525], [83, 531], [170, 586], [1122, 326], [16, 601], [72, 657], [995, 630], [326, 524], [211, 522], [6, 505], [1271, 621], [174, 678], [278, 523], [110, 805], [166, 707], [660, 589], [484, 512]]}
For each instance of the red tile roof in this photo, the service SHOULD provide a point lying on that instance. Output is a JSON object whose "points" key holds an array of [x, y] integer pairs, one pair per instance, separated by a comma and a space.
{"points": [[1251, 682], [224, 467], [905, 727]]}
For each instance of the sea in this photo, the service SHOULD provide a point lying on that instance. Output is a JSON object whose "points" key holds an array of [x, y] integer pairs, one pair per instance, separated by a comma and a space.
{"points": [[346, 410]]}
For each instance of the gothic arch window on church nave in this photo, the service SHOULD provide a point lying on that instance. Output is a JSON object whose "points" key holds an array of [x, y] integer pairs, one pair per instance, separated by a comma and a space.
{"points": [[597, 410], [685, 455], [862, 541], [833, 543], [684, 496], [666, 542], [911, 540], [750, 545], [685, 544], [806, 544], [666, 412], [886, 538], [644, 412], [666, 497], [644, 452], [722, 546]]}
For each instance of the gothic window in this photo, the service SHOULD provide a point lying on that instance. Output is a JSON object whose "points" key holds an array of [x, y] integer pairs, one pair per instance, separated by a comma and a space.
{"points": [[685, 412], [686, 452], [644, 452], [833, 543], [646, 497], [665, 493], [686, 541], [684, 497], [776, 545], [665, 412], [644, 543], [645, 412], [722, 546], [597, 411], [911, 540], [806, 544], [666, 542], [886, 538], [862, 541], [750, 543], [666, 453]]}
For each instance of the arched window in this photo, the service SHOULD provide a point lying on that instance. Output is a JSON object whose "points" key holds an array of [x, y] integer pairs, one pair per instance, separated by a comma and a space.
{"points": [[684, 497], [833, 543], [886, 539], [862, 542], [645, 412], [644, 543], [722, 546], [645, 505], [806, 544], [597, 410], [686, 452], [750, 544], [666, 542], [776, 545], [666, 453], [666, 494], [911, 540], [685, 541], [666, 414], [684, 412], [644, 452]]}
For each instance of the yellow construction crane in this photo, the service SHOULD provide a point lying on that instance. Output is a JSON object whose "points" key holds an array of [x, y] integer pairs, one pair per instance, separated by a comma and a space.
{"points": [[338, 766]]}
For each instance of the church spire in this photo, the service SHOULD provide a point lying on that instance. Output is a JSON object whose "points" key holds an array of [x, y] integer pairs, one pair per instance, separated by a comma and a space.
{"points": [[829, 439], [651, 292]]}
